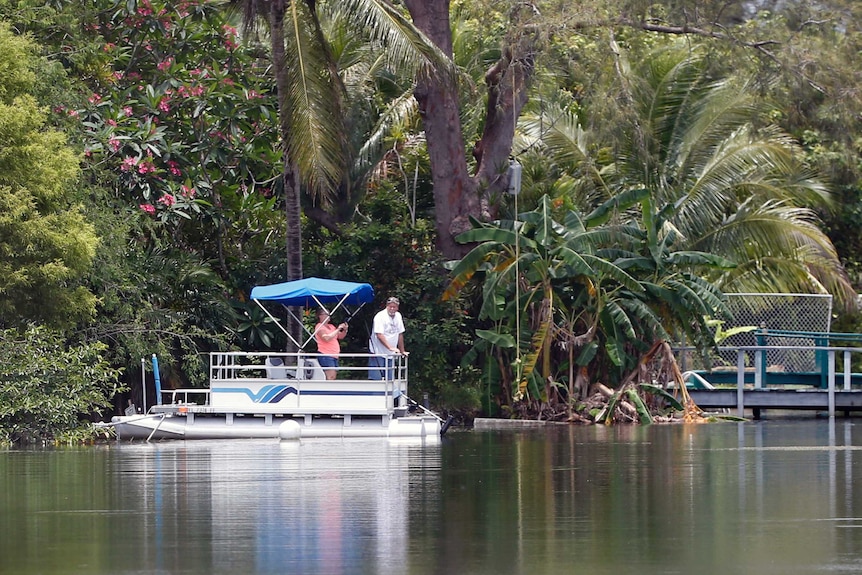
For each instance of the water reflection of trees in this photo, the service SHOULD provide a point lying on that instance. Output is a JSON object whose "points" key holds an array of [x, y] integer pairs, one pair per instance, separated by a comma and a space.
{"points": [[737, 495]]}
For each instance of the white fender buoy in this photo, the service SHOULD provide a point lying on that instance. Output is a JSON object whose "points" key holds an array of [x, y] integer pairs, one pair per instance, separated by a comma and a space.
{"points": [[289, 429]]}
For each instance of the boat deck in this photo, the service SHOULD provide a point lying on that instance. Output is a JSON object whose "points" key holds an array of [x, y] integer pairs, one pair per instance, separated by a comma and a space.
{"points": [[288, 396]]}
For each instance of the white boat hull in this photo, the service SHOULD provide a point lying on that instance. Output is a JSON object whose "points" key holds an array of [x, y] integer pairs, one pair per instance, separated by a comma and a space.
{"points": [[175, 426]]}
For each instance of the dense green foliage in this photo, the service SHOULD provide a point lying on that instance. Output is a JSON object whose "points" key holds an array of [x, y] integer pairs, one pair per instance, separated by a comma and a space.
{"points": [[148, 139], [563, 292], [46, 386], [46, 244], [399, 259]]}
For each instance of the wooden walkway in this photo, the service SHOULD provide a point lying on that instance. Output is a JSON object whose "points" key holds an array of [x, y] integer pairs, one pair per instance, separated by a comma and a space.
{"points": [[755, 385], [785, 399]]}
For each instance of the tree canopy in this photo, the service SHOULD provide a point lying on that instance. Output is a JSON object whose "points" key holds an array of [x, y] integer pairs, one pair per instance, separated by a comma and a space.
{"points": [[46, 244], [670, 150]]}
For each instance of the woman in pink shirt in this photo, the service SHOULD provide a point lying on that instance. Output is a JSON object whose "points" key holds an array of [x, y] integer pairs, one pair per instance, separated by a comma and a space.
{"points": [[327, 337]]}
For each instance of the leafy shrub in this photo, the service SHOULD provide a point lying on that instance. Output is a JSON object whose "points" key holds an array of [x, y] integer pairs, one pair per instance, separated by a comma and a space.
{"points": [[46, 386]]}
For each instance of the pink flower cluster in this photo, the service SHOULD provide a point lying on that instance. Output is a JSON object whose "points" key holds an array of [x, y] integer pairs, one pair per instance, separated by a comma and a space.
{"points": [[68, 111], [167, 200], [190, 91], [128, 164], [184, 6], [230, 37], [145, 8], [143, 167]]}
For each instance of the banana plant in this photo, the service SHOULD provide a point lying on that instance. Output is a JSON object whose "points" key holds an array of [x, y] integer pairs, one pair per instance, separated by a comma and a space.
{"points": [[609, 286], [524, 264]]}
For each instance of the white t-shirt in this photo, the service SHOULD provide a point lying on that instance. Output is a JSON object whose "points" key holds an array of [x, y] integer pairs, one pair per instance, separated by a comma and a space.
{"points": [[391, 327]]}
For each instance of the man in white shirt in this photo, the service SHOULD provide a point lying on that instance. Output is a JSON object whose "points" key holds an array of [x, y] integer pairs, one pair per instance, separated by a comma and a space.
{"points": [[387, 337]]}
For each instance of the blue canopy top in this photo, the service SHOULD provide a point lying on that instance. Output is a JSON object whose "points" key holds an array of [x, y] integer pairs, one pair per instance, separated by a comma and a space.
{"points": [[314, 291]]}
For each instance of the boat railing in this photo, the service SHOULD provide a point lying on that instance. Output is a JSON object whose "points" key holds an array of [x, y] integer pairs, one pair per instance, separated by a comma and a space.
{"points": [[259, 377], [296, 383], [228, 366]]}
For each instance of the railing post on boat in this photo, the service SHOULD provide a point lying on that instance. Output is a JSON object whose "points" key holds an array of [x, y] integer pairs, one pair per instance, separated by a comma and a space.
{"points": [[144, 383], [847, 373], [740, 382], [158, 380], [831, 364]]}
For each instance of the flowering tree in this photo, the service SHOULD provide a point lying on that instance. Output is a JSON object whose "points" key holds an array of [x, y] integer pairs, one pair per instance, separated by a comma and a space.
{"points": [[181, 122]]}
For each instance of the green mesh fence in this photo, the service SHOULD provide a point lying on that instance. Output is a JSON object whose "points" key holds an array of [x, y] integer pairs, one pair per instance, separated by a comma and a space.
{"points": [[773, 311]]}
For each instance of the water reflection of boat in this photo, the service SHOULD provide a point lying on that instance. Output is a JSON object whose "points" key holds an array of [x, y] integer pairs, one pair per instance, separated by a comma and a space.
{"points": [[318, 506], [286, 395]]}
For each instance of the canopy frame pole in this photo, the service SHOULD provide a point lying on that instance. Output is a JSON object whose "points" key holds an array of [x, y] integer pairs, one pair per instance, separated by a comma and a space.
{"points": [[277, 322], [322, 306], [302, 294], [299, 345]]}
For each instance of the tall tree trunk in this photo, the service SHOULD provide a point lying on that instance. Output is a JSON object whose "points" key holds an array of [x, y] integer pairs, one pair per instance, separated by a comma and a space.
{"points": [[458, 195], [455, 194], [290, 176]]}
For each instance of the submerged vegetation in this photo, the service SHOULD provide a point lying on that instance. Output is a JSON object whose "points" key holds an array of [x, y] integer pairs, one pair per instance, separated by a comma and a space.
{"points": [[161, 157]]}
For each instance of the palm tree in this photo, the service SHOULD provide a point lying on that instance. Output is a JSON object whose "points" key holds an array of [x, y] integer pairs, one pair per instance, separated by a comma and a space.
{"points": [[734, 190], [310, 91]]}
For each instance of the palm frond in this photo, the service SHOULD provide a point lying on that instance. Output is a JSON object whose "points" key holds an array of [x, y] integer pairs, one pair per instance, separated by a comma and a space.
{"points": [[403, 110], [537, 345], [315, 137], [407, 48]]}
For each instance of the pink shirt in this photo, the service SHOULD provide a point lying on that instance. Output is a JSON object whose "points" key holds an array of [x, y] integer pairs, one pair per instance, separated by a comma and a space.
{"points": [[330, 347]]}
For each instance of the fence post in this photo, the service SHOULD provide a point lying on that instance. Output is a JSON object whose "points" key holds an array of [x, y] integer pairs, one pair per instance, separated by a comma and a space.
{"points": [[759, 372], [740, 382], [831, 366], [760, 367]]}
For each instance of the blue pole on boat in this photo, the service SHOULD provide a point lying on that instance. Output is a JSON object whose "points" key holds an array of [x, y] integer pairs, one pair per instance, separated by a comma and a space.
{"points": [[158, 379]]}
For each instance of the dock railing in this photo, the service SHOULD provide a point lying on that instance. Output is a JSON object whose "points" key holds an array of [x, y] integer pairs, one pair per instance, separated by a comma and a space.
{"points": [[777, 359], [753, 370]]}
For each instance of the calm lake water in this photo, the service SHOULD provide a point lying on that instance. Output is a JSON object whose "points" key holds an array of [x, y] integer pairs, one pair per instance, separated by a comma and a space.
{"points": [[772, 497]]}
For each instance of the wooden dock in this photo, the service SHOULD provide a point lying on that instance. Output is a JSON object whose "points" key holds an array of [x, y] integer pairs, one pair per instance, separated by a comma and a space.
{"points": [[755, 385], [785, 399]]}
